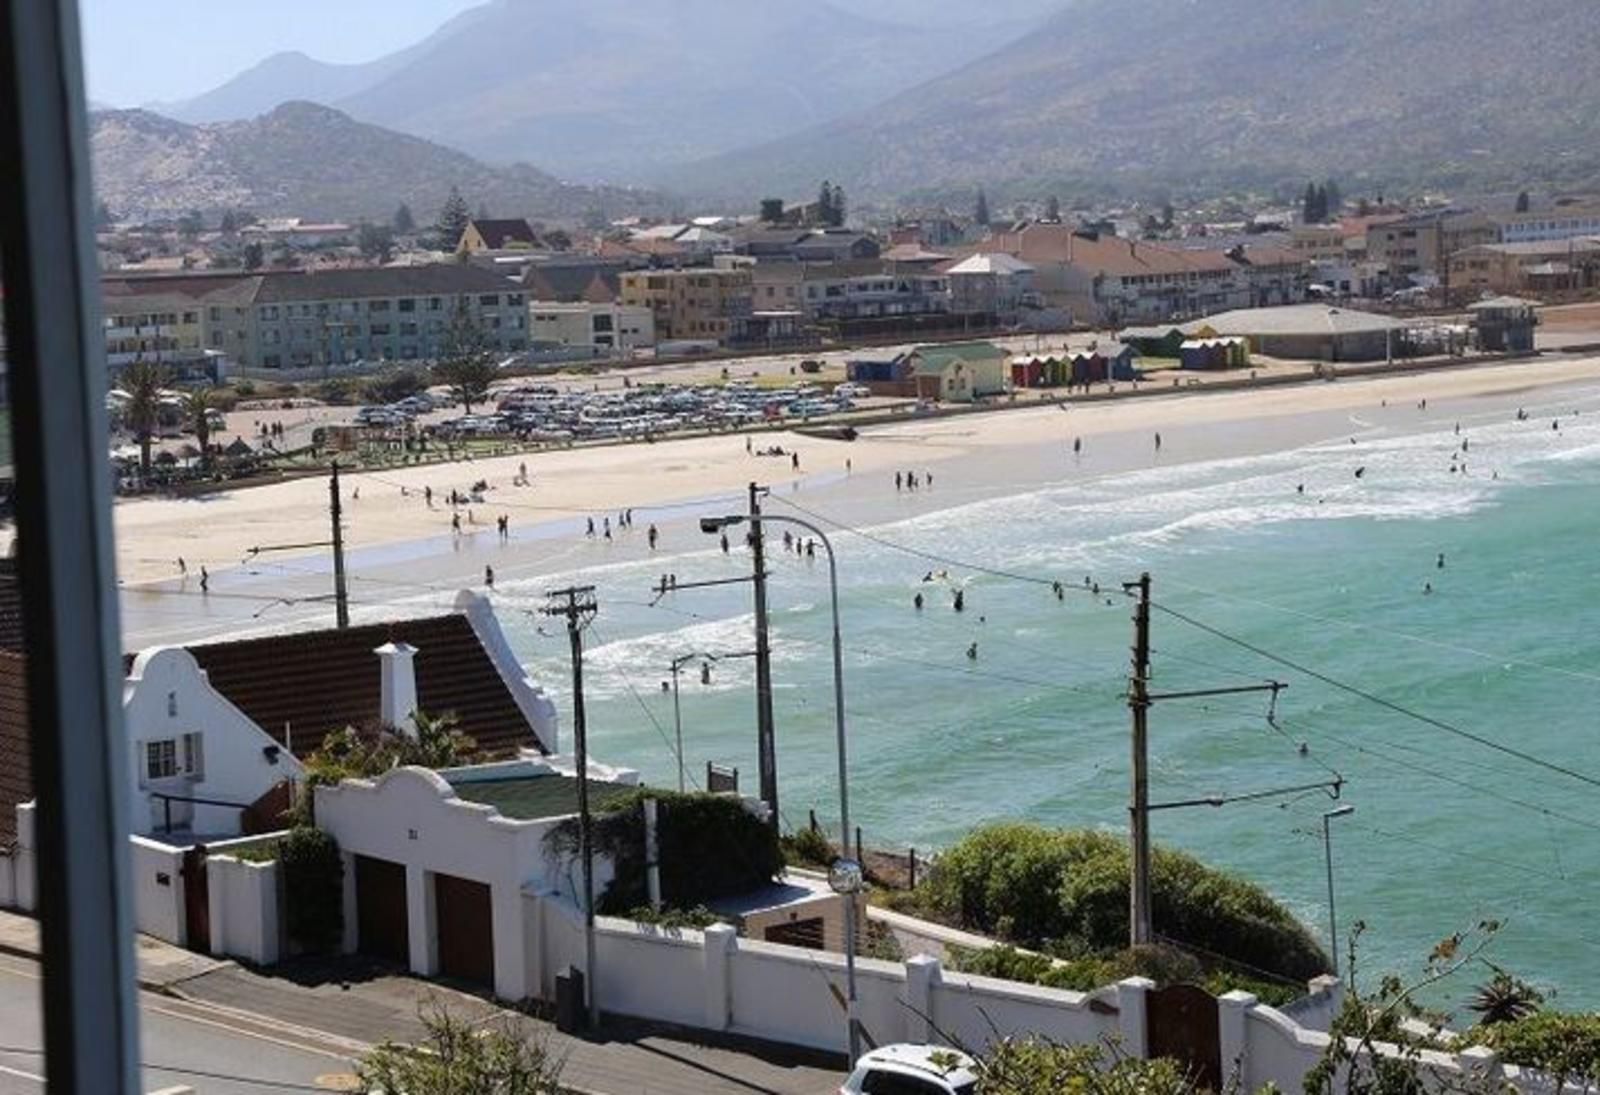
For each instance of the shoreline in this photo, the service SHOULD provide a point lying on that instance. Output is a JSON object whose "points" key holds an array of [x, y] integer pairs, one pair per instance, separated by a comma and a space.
{"points": [[395, 541]]}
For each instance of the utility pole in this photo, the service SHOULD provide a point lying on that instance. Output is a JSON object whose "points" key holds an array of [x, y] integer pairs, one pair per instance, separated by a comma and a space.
{"points": [[1139, 806], [1140, 699], [341, 593], [577, 604], [766, 745]]}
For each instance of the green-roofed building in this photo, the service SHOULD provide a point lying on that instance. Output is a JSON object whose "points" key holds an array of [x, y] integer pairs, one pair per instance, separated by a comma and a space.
{"points": [[958, 372]]}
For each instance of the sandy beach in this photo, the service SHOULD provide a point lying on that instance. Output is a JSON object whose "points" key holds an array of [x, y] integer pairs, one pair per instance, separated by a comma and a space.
{"points": [[394, 536]]}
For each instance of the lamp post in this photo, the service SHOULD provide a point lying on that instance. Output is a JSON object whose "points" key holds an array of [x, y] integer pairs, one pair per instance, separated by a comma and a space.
{"points": [[845, 874], [1327, 851]]}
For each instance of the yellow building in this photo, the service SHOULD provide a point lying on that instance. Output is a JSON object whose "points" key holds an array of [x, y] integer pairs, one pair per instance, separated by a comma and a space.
{"points": [[699, 303]]}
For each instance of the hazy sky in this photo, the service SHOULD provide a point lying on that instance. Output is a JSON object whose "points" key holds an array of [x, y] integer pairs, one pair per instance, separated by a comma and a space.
{"points": [[140, 51]]}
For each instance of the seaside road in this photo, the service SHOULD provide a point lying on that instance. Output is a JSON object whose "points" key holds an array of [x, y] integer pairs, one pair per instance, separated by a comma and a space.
{"points": [[182, 1044]]}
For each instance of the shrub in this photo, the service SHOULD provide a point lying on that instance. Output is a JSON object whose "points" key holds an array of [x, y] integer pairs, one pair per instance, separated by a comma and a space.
{"points": [[1066, 891], [1036, 1065], [313, 884], [459, 1057], [709, 847], [673, 919], [1566, 1048], [807, 848]]}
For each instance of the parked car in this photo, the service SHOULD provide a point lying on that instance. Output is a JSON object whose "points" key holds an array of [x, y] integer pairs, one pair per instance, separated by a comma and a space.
{"points": [[906, 1069]]}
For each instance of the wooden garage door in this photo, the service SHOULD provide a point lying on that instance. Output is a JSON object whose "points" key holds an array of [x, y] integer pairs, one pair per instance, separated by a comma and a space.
{"points": [[466, 929], [381, 923]]}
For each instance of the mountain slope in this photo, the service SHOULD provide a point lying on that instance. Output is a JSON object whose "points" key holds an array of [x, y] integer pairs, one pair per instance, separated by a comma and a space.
{"points": [[309, 160], [618, 88], [1199, 93]]}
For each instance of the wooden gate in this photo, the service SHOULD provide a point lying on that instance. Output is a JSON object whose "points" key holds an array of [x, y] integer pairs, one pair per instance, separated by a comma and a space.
{"points": [[196, 900], [466, 929], [1182, 1024], [382, 926]]}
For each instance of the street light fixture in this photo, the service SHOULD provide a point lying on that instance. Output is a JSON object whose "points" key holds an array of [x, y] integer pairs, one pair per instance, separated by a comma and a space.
{"points": [[1327, 851], [844, 877]]}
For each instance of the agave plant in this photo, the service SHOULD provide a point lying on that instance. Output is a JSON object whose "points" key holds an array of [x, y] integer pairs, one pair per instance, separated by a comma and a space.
{"points": [[1504, 998]]}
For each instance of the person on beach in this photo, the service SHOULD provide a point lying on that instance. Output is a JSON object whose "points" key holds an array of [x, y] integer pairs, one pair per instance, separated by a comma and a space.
{"points": [[1440, 563], [928, 478], [1300, 488], [1060, 593], [522, 472], [748, 447], [205, 579], [1427, 588], [849, 468], [608, 527], [1077, 446], [811, 549], [1362, 470], [916, 602], [794, 461], [455, 523], [897, 481], [960, 604], [1158, 441], [183, 567], [488, 576], [724, 543], [972, 652], [653, 534], [788, 540], [589, 532]]}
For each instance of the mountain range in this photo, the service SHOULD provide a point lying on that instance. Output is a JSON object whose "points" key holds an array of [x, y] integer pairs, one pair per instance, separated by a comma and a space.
{"points": [[1186, 96], [616, 89], [310, 160], [738, 99]]}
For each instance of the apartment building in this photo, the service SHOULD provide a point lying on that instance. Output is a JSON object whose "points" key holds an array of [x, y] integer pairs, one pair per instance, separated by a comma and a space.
{"points": [[604, 327], [1532, 266], [1420, 245], [1548, 224], [161, 319], [298, 320], [699, 303]]}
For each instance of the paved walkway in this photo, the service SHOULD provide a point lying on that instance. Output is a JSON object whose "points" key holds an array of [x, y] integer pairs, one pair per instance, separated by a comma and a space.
{"points": [[353, 1004], [161, 965]]}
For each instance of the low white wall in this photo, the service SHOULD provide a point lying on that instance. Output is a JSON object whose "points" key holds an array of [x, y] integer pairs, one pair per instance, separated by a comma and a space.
{"points": [[244, 909], [969, 1010], [156, 871]]}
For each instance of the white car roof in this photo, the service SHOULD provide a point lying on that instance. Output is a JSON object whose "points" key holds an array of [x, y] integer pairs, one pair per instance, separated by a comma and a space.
{"points": [[918, 1060]]}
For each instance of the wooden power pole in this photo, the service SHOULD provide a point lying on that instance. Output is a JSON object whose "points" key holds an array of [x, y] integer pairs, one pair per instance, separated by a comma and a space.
{"points": [[1139, 804], [341, 592], [577, 605], [765, 737]]}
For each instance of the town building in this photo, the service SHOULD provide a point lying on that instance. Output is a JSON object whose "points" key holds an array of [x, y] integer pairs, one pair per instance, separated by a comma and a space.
{"points": [[991, 284], [1306, 332], [958, 372], [1560, 223], [1418, 246], [513, 234], [698, 303], [1548, 266], [1504, 324], [160, 322], [606, 328]]}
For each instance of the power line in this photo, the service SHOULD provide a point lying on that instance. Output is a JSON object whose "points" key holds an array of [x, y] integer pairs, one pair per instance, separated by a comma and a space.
{"points": [[1399, 709]]}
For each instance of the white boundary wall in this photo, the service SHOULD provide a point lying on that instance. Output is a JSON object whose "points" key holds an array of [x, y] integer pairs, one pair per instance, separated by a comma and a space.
{"points": [[244, 909]]}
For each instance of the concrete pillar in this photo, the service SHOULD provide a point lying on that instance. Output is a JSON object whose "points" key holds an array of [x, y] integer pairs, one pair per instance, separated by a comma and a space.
{"points": [[397, 687], [422, 935], [1131, 993], [351, 941], [923, 973], [721, 940], [1480, 1066], [26, 880], [1233, 1030], [510, 959], [533, 944]]}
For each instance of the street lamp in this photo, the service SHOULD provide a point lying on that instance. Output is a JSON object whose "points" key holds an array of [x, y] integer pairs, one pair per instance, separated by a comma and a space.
{"points": [[1327, 850], [845, 875], [677, 714]]}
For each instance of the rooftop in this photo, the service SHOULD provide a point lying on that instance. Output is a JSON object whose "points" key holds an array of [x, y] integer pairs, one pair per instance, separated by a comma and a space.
{"points": [[1293, 319], [530, 798]]}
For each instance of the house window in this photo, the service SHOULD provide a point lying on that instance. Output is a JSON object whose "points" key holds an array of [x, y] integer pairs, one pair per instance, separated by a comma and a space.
{"points": [[408, 304], [488, 300], [160, 759]]}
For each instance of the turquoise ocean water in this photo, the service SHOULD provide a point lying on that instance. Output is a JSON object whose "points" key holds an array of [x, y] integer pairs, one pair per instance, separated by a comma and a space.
{"points": [[1446, 831]]}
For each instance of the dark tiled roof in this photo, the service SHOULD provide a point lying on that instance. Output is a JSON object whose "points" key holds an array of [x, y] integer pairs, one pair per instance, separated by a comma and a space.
{"points": [[530, 798], [10, 606], [321, 681], [500, 233], [16, 779], [569, 284], [435, 279]]}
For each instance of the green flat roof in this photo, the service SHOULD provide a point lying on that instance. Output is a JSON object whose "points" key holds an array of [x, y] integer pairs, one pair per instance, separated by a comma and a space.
{"points": [[529, 798]]}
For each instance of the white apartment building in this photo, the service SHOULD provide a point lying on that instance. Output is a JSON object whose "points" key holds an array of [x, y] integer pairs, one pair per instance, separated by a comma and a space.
{"points": [[609, 328]]}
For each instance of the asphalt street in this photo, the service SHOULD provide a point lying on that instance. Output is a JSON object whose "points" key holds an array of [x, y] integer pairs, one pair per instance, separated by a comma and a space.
{"points": [[208, 1049]]}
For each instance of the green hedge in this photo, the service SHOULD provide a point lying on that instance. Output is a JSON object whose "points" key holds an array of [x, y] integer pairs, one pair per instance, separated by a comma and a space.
{"points": [[313, 884], [1066, 891], [1559, 1045], [710, 847]]}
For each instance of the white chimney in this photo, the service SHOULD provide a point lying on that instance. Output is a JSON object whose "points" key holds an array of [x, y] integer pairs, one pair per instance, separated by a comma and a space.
{"points": [[397, 704]]}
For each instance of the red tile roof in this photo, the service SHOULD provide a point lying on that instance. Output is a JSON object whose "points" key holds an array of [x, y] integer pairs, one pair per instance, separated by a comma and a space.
{"points": [[317, 682]]}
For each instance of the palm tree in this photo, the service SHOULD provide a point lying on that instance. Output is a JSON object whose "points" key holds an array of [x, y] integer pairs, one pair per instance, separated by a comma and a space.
{"points": [[143, 381], [197, 408]]}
